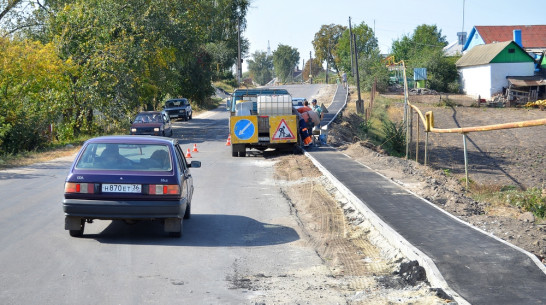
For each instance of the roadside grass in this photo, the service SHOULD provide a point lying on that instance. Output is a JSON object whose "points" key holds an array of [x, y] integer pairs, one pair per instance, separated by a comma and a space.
{"points": [[384, 127], [224, 86], [446, 103], [530, 200], [53, 151], [208, 104]]}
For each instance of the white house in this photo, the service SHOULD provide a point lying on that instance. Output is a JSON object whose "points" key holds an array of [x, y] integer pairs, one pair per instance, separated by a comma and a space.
{"points": [[484, 68]]}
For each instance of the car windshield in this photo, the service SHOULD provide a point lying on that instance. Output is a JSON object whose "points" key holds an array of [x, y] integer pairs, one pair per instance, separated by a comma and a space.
{"points": [[148, 118], [126, 157], [176, 103]]}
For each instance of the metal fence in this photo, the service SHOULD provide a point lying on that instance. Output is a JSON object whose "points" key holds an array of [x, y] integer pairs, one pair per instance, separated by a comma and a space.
{"points": [[427, 121]]}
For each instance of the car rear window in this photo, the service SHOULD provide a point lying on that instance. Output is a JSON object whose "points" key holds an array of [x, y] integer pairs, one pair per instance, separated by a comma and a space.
{"points": [[126, 157], [176, 103], [148, 118]]}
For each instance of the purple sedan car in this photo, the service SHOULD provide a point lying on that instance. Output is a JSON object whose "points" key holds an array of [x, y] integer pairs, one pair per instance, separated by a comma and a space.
{"points": [[129, 178]]}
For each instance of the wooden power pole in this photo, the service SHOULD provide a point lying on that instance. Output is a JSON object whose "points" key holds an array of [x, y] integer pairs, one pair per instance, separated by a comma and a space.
{"points": [[359, 102]]}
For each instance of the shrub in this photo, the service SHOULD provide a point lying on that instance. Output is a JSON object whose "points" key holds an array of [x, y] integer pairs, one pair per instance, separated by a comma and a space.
{"points": [[395, 137], [530, 200]]}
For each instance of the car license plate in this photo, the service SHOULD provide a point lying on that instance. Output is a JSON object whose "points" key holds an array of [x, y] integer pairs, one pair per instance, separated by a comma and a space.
{"points": [[122, 188]]}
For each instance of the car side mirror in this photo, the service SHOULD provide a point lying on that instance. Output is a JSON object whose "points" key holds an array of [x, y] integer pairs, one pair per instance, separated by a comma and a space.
{"points": [[195, 164]]}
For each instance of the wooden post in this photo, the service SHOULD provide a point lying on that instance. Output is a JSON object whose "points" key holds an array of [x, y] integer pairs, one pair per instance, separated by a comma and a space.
{"points": [[426, 149], [465, 160], [359, 102], [417, 142]]}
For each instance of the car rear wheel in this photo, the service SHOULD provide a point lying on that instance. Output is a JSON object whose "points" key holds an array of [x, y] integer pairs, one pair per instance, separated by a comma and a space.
{"points": [[173, 226], [187, 213], [78, 232]]}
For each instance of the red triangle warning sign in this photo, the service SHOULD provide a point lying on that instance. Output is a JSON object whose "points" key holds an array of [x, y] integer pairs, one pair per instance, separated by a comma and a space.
{"points": [[283, 132]]}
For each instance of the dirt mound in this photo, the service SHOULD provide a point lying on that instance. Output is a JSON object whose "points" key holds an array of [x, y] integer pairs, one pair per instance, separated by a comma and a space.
{"points": [[362, 267]]}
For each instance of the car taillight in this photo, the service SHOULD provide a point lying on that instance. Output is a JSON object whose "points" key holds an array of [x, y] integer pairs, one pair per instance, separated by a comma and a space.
{"points": [[164, 189], [81, 188]]}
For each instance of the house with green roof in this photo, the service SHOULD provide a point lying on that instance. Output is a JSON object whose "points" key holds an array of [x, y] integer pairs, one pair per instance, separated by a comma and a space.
{"points": [[484, 69]]}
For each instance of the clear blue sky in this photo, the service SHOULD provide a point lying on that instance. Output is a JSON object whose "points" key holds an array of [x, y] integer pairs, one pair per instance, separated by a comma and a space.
{"points": [[295, 22]]}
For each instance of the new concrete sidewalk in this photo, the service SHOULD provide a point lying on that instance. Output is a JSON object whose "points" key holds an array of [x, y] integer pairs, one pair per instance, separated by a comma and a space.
{"points": [[468, 263]]}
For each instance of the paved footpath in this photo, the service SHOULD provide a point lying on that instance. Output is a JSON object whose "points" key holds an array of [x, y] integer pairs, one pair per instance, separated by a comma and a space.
{"points": [[477, 267]]}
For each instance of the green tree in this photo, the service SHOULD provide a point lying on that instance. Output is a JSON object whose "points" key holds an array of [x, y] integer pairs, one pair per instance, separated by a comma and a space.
{"points": [[316, 69], [33, 91], [285, 59], [131, 55], [325, 43], [366, 43], [371, 69], [221, 18], [425, 39], [123, 56], [424, 49], [261, 67], [9, 11]]}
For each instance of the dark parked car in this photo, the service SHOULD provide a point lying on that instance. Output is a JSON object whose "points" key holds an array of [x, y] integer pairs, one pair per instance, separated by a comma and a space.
{"points": [[129, 178], [155, 123], [179, 108]]}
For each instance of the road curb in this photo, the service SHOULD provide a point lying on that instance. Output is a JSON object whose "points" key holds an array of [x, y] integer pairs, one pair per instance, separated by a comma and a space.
{"points": [[434, 276]]}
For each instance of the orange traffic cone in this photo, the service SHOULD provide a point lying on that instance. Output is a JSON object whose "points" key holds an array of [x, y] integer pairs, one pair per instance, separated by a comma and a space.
{"points": [[195, 148], [228, 143], [188, 155]]}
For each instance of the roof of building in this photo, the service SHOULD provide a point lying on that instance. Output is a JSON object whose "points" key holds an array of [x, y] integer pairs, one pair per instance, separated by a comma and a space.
{"points": [[526, 81], [486, 53], [532, 36], [453, 49]]}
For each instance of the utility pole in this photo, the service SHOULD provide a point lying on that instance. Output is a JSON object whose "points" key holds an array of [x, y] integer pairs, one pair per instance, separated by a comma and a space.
{"points": [[239, 68], [359, 102], [310, 68], [327, 62], [351, 42], [302, 69]]}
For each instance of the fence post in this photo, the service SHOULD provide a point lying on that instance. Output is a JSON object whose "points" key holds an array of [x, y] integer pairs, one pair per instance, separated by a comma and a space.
{"points": [[417, 140], [406, 114], [426, 149], [410, 118], [465, 160]]}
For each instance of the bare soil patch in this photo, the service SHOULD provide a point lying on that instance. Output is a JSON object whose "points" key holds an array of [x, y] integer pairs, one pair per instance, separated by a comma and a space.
{"points": [[512, 157]]}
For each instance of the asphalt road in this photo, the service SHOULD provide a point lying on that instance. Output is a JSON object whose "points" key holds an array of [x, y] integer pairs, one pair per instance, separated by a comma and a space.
{"points": [[241, 224]]}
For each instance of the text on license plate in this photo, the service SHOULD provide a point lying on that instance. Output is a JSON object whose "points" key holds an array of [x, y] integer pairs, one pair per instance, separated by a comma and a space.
{"points": [[122, 188]]}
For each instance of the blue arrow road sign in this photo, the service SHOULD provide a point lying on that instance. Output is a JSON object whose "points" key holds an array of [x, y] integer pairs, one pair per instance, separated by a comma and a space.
{"points": [[244, 129]]}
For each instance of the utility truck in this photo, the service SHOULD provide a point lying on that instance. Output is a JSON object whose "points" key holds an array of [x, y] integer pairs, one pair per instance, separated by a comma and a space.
{"points": [[262, 118]]}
